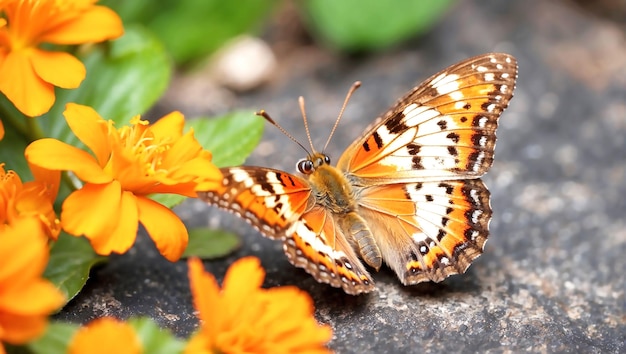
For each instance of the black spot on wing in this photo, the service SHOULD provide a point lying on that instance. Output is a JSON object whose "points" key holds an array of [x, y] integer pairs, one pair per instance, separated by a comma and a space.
{"points": [[395, 124], [454, 137], [413, 148], [378, 140], [267, 187], [448, 187], [416, 163]]}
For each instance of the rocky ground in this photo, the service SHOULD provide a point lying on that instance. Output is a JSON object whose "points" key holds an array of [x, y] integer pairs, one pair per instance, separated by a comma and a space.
{"points": [[552, 278]]}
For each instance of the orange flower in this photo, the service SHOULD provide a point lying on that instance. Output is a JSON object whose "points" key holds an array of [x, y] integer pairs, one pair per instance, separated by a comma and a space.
{"points": [[129, 164], [26, 299], [242, 317], [28, 73], [105, 335], [29, 200]]}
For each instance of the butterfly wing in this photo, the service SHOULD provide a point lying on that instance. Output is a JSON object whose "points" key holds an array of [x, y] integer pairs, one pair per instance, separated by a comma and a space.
{"points": [[416, 167], [281, 206], [428, 230], [271, 200], [444, 128], [318, 245]]}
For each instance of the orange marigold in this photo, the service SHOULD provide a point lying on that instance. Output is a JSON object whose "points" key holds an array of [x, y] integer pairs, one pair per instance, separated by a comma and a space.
{"points": [[104, 336], [242, 317], [26, 299], [128, 164], [29, 200], [28, 74]]}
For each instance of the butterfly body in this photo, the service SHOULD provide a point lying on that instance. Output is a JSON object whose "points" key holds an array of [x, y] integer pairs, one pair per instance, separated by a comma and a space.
{"points": [[406, 193]]}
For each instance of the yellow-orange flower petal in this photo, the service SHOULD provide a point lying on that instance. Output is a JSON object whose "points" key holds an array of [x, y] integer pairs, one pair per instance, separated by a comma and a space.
{"points": [[131, 163], [89, 128], [19, 82], [58, 68], [32, 199], [51, 180], [242, 317], [1, 130], [96, 24], [104, 336], [93, 211], [28, 73], [164, 227], [122, 238], [55, 155], [26, 299]]}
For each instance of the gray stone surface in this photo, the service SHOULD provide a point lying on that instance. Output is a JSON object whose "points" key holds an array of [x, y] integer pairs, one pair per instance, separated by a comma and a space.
{"points": [[552, 278]]}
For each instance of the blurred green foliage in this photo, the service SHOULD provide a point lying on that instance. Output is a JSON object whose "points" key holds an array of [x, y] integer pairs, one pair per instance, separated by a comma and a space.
{"points": [[368, 25], [191, 29]]}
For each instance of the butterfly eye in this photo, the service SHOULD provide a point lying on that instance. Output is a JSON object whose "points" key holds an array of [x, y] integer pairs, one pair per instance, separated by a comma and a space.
{"points": [[305, 166], [327, 159]]}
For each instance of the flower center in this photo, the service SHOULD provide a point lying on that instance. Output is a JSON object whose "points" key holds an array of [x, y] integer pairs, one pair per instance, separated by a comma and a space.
{"points": [[142, 144]]}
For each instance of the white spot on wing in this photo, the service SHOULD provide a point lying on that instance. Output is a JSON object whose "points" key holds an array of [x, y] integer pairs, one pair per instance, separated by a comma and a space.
{"points": [[414, 114], [447, 84], [457, 95], [428, 215]]}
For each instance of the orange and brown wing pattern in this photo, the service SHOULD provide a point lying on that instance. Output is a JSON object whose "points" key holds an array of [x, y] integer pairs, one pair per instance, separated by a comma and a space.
{"points": [[443, 129], [271, 200], [280, 205], [428, 230], [317, 245]]}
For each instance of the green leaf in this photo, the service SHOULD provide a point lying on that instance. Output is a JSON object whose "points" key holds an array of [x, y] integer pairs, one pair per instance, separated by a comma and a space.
{"points": [[154, 339], [124, 78], [230, 138], [169, 200], [208, 243], [191, 29], [362, 25], [71, 258], [12, 153], [55, 340]]}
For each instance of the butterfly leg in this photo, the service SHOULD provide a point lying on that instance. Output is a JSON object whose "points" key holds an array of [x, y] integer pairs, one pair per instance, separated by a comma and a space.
{"points": [[360, 236]]}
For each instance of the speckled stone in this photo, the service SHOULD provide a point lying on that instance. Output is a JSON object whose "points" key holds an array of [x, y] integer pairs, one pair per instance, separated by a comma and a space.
{"points": [[552, 278]]}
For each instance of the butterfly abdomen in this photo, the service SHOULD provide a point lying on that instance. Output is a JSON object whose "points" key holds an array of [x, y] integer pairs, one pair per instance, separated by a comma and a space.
{"points": [[356, 230]]}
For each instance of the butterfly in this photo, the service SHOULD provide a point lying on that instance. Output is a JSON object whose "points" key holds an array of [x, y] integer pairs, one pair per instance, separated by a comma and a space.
{"points": [[406, 192]]}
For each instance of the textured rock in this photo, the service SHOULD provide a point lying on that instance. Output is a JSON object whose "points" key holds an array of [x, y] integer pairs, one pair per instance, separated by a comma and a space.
{"points": [[552, 278]]}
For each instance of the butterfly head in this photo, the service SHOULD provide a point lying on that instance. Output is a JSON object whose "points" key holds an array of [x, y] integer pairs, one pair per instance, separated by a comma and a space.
{"points": [[308, 165]]}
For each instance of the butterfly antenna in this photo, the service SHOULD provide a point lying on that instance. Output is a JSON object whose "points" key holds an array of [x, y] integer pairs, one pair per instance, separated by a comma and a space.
{"points": [[267, 117], [353, 88], [306, 122]]}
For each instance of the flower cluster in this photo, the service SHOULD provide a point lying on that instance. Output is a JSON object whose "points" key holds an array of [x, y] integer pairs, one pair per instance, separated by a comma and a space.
{"points": [[239, 317], [242, 317], [103, 177], [128, 164], [29, 72]]}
